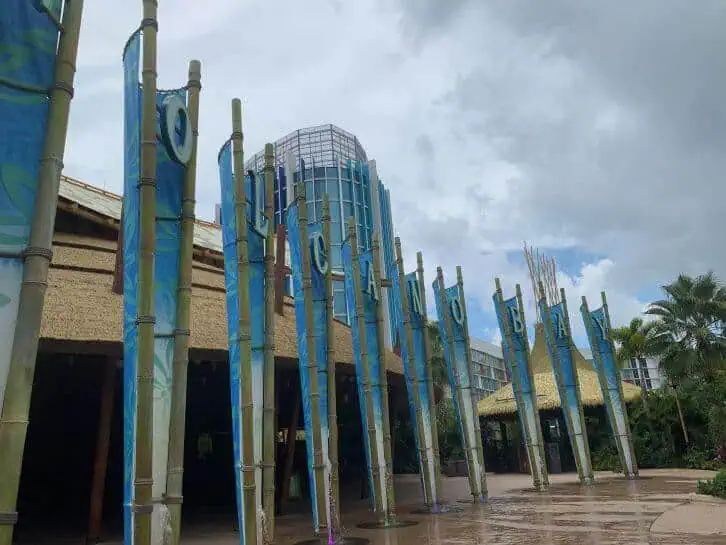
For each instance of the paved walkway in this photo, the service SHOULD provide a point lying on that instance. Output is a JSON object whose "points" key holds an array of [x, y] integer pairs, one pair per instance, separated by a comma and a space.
{"points": [[656, 510]]}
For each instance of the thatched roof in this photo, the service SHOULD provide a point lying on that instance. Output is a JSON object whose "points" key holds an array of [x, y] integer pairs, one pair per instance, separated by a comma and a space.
{"points": [[80, 305], [502, 401]]}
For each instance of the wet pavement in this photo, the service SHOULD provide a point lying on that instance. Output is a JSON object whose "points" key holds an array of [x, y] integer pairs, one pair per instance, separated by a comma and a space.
{"points": [[613, 511]]}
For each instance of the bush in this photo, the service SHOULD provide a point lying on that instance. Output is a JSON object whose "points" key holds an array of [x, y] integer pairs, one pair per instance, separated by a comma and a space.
{"points": [[697, 458], [715, 487], [606, 459]]}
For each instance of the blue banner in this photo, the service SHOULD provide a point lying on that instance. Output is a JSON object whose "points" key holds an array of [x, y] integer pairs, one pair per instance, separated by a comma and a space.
{"points": [[318, 257], [559, 347], [455, 351], [373, 362], [28, 40], [414, 366], [596, 323], [255, 254], [515, 349], [172, 140]]}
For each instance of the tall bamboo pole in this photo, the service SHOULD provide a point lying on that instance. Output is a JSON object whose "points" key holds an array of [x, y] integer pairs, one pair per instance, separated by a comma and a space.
{"points": [[249, 486], [383, 380], [334, 523], [365, 371], [588, 471], [429, 373], [318, 463], [477, 446], [268, 399], [415, 380], [37, 256], [145, 317], [177, 424], [473, 485]]}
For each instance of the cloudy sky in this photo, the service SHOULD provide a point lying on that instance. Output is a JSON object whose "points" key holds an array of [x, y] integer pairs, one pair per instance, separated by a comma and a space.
{"points": [[595, 131]]}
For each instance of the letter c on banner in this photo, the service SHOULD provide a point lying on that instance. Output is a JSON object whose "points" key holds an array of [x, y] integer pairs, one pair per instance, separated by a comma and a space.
{"points": [[178, 142], [457, 312], [319, 252]]}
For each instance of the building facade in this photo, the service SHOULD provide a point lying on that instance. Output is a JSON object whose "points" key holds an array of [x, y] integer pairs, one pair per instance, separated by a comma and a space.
{"points": [[643, 372], [488, 368], [330, 160]]}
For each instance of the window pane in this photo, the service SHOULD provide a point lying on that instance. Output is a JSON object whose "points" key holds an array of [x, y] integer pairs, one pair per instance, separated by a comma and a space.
{"points": [[331, 172], [346, 191], [333, 189], [347, 211], [319, 189], [319, 172]]}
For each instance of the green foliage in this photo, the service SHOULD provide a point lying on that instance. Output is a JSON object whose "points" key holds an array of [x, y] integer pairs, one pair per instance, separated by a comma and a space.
{"points": [[714, 487], [449, 441], [405, 454], [606, 458]]}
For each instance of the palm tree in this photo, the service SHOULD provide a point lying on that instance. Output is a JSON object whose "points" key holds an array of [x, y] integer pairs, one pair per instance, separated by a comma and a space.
{"points": [[689, 334], [635, 342]]}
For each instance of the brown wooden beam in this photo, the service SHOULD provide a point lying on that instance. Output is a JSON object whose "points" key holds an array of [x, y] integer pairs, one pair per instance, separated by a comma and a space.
{"points": [[98, 486]]}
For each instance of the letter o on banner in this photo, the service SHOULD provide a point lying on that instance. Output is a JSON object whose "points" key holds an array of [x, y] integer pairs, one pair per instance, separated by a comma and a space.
{"points": [[173, 109], [457, 312], [319, 252]]}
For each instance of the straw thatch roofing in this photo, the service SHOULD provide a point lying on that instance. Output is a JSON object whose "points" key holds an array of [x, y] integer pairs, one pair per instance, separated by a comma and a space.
{"points": [[502, 401], [80, 305]]}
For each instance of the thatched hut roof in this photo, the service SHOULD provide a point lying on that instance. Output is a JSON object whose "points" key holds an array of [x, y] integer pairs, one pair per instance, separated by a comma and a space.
{"points": [[502, 401], [81, 307]]}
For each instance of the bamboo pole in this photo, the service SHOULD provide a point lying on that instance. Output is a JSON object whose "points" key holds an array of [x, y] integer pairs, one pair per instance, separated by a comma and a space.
{"points": [[312, 366], [478, 447], [588, 475], [37, 256], [334, 522], [268, 401], [415, 381], [370, 426], [249, 486], [100, 464], [383, 381], [429, 373], [606, 311], [177, 424], [473, 485], [145, 317]]}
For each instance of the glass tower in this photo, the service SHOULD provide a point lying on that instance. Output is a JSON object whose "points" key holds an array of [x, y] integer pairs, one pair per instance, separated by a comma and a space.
{"points": [[330, 160]]}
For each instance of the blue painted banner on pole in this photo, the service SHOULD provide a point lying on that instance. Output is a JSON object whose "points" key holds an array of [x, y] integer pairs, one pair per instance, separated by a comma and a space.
{"points": [[170, 173], [596, 323], [459, 369], [559, 347], [414, 366], [255, 249], [373, 361], [516, 358], [28, 40], [318, 266]]}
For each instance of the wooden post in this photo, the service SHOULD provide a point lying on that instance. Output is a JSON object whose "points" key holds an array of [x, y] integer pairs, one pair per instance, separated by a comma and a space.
{"points": [[268, 399], [429, 373], [177, 421], [36, 261], [332, 384], [318, 463], [407, 341], [370, 427], [290, 445], [98, 484], [383, 380], [249, 486], [477, 446]]}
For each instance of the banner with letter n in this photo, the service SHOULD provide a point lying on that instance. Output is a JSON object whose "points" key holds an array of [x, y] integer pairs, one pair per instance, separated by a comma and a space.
{"points": [[597, 324], [410, 326], [309, 256], [558, 338], [173, 153], [451, 312], [253, 299], [515, 348]]}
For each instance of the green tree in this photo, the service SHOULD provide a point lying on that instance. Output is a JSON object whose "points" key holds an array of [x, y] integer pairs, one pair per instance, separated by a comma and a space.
{"points": [[688, 335], [438, 365]]}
